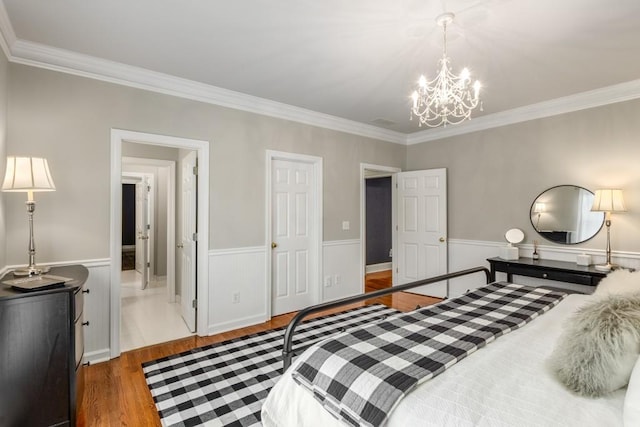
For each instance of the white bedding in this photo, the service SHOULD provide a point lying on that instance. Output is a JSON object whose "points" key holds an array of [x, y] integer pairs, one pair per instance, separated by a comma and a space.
{"points": [[505, 384]]}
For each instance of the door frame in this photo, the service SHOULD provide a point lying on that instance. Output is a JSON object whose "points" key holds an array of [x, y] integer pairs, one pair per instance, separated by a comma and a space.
{"points": [[317, 219], [383, 171], [171, 212], [118, 136]]}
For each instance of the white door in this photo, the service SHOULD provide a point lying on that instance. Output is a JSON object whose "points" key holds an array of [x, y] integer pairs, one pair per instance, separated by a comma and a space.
{"points": [[188, 239], [422, 229], [142, 231], [293, 285]]}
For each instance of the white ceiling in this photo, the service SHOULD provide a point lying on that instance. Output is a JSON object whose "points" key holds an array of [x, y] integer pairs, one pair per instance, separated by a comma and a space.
{"points": [[356, 59]]}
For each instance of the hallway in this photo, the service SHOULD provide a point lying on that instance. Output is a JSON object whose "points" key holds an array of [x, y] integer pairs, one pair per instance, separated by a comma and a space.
{"points": [[147, 317]]}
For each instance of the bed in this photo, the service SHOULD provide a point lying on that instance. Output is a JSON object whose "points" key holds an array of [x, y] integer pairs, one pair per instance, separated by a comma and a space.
{"points": [[506, 383]]}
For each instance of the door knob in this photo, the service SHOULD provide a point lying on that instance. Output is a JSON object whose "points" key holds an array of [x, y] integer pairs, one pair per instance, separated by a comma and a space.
{"points": [[274, 245], [442, 239]]}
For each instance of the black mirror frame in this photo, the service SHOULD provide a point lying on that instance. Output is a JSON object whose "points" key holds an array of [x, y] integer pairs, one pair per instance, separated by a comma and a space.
{"points": [[554, 241]]}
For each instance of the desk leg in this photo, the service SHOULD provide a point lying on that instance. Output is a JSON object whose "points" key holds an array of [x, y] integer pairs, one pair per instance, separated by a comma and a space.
{"points": [[509, 277], [493, 273]]}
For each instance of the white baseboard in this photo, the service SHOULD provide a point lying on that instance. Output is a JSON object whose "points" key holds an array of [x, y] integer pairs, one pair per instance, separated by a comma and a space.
{"points": [[98, 356], [374, 268], [236, 324]]}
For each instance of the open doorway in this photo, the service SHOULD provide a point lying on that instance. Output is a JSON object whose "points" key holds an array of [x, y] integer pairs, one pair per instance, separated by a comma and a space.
{"points": [[378, 232], [376, 219], [162, 157], [149, 312]]}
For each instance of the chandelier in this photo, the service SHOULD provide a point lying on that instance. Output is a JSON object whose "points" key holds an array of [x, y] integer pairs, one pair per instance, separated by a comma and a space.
{"points": [[447, 99]]}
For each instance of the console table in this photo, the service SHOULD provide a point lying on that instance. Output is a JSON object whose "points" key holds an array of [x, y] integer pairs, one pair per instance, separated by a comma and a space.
{"points": [[41, 348], [560, 271]]}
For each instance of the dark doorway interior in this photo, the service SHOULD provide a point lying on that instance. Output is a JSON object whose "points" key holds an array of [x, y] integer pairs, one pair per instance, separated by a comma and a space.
{"points": [[128, 226], [378, 220]]}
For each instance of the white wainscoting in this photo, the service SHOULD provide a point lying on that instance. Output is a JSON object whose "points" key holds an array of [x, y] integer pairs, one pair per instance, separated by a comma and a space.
{"points": [[239, 271], [341, 259], [472, 253], [97, 311], [244, 271], [465, 254]]}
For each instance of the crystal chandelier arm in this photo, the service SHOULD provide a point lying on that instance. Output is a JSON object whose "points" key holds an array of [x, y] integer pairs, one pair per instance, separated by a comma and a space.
{"points": [[448, 98]]}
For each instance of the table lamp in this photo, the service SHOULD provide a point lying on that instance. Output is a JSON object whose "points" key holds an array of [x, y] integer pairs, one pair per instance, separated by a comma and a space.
{"points": [[28, 175], [608, 201]]}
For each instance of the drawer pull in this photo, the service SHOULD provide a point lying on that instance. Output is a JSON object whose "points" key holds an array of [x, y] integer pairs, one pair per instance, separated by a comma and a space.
{"points": [[85, 323], [544, 275], [85, 291]]}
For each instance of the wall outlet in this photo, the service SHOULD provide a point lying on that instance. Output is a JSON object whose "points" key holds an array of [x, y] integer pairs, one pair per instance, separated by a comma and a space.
{"points": [[327, 281], [336, 279], [235, 298], [345, 225]]}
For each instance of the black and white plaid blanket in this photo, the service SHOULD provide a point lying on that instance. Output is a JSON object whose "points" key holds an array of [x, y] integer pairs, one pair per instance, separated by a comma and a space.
{"points": [[360, 376]]}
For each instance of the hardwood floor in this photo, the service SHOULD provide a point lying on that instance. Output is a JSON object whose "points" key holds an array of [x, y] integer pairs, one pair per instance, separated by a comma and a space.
{"points": [[116, 393]]}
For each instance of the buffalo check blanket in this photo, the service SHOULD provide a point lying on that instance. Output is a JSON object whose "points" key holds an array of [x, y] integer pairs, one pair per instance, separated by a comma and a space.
{"points": [[359, 376]]}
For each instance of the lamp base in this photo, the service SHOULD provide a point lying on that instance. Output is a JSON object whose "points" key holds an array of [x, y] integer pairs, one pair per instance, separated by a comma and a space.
{"points": [[33, 270], [605, 267]]}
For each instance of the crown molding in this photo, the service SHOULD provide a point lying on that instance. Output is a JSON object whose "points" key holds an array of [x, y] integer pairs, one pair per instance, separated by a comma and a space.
{"points": [[61, 60], [42, 56], [7, 35], [567, 104]]}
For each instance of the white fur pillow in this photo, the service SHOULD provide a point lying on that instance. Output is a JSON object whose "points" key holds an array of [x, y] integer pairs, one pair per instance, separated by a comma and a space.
{"points": [[631, 415], [619, 282], [599, 347]]}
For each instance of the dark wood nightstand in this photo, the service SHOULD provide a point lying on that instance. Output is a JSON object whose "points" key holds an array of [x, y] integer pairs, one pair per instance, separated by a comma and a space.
{"points": [[42, 346], [560, 271]]}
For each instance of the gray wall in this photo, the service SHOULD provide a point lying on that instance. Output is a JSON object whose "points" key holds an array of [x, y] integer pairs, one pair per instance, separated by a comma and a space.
{"points": [[68, 119], [494, 175]]}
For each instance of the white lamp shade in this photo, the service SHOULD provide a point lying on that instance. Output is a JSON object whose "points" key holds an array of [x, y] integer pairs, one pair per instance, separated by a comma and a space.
{"points": [[608, 201], [27, 174], [539, 207]]}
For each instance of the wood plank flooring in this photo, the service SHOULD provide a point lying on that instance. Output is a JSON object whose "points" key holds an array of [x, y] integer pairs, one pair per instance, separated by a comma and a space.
{"points": [[116, 393]]}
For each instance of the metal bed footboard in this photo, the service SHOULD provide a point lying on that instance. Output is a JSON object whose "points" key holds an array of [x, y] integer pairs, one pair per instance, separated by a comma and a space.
{"points": [[287, 352]]}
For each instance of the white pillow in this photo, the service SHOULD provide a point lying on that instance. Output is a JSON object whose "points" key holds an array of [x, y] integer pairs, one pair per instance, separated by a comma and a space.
{"points": [[631, 415], [619, 282]]}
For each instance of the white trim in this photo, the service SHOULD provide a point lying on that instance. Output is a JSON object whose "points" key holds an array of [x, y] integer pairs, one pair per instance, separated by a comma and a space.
{"points": [[118, 136], [557, 252], [566, 104], [392, 170], [171, 215], [236, 324], [374, 268], [317, 163], [346, 242], [50, 58], [7, 35], [101, 262], [235, 251], [97, 356]]}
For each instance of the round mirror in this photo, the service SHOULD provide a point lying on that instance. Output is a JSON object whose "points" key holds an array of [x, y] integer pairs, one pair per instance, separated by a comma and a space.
{"points": [[514, 236], [563, 215]]}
